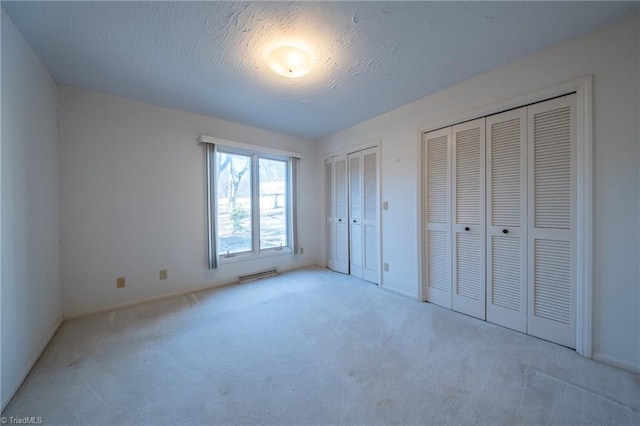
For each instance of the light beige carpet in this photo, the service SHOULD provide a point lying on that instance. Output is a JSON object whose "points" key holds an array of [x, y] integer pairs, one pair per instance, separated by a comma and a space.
{"points": [[313, 347]]}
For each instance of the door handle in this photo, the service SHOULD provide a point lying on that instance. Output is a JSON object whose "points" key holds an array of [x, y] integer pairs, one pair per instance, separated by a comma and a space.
{"points": [[466, 228], [339, 220], [505, 231]]}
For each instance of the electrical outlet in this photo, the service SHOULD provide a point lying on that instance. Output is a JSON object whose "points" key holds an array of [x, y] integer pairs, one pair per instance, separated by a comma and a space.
{"points": [[385, 205], [163, 274], [121, 282], [385, 267], [301, 250]]}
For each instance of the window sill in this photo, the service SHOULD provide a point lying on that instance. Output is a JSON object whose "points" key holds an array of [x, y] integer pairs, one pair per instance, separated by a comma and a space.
{"points": [[242, 257]]}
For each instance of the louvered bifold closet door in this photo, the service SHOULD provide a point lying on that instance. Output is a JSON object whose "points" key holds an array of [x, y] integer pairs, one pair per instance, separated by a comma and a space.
{"points": [[436, 163], [551, 220], [356, 239], [328, 204], [507, 220], [468, 211], [341, 226], [370, 215]]}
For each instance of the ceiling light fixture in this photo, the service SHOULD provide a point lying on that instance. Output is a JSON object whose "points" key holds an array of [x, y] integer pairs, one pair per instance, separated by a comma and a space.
{"points": [[290, 62]]}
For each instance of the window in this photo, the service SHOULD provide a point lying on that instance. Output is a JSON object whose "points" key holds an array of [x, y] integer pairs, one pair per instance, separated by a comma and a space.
{"points": [[234, 198], [251, 202], [273, 203], [237, 196]]}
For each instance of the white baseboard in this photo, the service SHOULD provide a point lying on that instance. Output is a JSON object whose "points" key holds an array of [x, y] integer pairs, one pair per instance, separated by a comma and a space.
{"points": [[396, 291], [164, 296], [33, 361], [148, 300], [615, 362]]}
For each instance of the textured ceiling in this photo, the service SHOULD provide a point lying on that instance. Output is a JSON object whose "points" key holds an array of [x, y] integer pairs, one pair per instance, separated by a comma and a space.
{"points": [[370, 57]]}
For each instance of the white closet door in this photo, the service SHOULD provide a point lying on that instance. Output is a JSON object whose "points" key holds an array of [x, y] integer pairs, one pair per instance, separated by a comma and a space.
{"points": [[341, 234], [370, 215], [506, 219], [551, 222], [437, 211], [328, 203], [355, 214], [468, 212]]}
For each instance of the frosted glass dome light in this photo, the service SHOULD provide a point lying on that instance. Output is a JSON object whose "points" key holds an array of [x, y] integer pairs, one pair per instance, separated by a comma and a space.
{"points": [[290, 62]]}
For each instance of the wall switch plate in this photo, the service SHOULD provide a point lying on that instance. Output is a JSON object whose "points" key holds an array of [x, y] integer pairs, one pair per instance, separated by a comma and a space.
{"points": [[385, 267], [301, 250], [163, 274], [385, 205], [121, 282]]}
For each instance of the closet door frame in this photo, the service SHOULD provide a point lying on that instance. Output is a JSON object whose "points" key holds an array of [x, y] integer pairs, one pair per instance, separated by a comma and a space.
{"points": [[372, 144], [583, 87]]}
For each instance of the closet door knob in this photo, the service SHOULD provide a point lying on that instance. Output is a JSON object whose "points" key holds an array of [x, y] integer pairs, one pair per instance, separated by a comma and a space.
{"points": [[505, 231], [466, 228], [339, 220], [354, 221]]}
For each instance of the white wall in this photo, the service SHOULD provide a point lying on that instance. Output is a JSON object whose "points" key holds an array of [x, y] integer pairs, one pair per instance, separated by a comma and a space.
{"points": [[132, 200], [31, 304], [611, 55]]}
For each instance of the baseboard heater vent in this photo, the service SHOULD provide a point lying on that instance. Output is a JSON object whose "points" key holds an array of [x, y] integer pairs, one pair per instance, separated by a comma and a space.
{"points": [[271, 272]]}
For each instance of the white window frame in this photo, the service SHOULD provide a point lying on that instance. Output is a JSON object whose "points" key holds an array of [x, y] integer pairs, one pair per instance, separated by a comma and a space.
{"points": [[232, 147], [256, 251]]}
